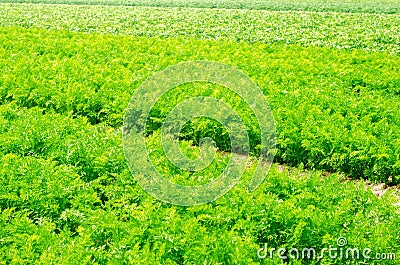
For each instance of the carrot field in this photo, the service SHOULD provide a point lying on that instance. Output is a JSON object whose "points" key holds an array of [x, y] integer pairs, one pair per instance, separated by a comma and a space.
{"points": [[71, 191]]}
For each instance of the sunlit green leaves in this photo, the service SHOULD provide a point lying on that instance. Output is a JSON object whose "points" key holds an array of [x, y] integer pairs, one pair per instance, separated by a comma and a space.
{"points": [[371, 32]]}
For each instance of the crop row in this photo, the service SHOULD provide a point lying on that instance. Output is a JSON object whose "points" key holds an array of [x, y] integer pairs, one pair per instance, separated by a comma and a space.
{"points": [[366, 6], [371, 32], [51, 212], [335, 110], [92, 151]]}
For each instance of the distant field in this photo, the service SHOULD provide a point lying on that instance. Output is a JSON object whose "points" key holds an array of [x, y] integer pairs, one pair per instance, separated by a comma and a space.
{"points": [[371, 32], [67, 73], [352, 6]]}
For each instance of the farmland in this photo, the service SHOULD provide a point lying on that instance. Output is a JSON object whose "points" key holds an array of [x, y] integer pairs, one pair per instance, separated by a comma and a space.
{"points": [[371, 32], [354, 6], [68, 72]]}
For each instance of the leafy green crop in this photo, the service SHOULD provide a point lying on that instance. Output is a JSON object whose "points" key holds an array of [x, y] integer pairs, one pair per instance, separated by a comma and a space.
{"points": [[371, 32], [332, 111], [49, 214], [92, 151], [365, 6], [67, 195]]}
